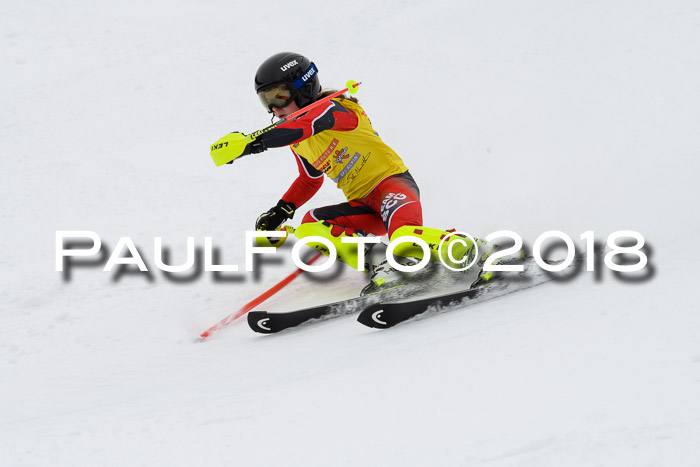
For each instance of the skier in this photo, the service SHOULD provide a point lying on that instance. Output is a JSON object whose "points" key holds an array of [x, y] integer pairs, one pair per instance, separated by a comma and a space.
{"points": [[337, 139]]}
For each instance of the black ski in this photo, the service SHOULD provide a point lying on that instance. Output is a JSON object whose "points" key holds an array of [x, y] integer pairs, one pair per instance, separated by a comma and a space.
{"points": [[385, 315], [382, 315]]}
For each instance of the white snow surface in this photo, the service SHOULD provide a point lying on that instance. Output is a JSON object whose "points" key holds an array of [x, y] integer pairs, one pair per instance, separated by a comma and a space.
{"points": [[528, 116]]}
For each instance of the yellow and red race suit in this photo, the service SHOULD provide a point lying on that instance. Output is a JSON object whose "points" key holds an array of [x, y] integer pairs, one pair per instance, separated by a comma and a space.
{"points": [[337, 139]]}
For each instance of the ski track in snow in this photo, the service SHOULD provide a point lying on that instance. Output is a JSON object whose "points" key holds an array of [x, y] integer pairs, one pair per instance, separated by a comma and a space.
{"points": [[533, 116]]}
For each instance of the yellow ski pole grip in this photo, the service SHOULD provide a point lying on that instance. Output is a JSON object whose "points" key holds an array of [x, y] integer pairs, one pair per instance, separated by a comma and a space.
{"points": [[229, 147]]}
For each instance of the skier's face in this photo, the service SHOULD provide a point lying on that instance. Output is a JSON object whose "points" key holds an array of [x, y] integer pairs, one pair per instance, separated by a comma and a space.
{"points": [[286, 110]]}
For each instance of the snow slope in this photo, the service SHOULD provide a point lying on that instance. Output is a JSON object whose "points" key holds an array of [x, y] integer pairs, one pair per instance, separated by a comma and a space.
{"points": [[574, 116]]}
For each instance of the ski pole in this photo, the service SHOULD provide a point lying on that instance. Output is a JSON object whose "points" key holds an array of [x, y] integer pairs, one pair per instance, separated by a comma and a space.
{"points": [[231, 146], [256, 301]]}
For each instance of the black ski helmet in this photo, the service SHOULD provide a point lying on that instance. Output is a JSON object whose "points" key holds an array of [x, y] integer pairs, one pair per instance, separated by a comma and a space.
{"points": [[287, 77]]}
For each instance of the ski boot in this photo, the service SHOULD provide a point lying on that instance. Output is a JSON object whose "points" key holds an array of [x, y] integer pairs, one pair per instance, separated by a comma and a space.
{"points": [[488, 248], [383, 276]]}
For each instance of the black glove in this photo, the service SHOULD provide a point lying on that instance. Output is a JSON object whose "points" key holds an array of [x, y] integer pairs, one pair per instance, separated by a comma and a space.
{"points": [[255, 147], [273, 218]]}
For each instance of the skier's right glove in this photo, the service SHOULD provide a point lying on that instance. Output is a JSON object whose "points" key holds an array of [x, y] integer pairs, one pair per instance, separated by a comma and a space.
{"points": [[254, 147], [275, 216], [234, 145]]}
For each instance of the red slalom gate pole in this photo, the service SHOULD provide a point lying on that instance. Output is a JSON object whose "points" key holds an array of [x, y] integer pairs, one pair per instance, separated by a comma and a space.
{"points": [[255, 302]]}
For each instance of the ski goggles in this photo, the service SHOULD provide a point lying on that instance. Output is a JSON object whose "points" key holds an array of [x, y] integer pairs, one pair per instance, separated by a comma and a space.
{"points": [[281, 94], [277, 96]]}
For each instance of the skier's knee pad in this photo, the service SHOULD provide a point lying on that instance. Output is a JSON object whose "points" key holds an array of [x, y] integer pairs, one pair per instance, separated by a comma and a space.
{"points": [[454, 250], [347, 252]]}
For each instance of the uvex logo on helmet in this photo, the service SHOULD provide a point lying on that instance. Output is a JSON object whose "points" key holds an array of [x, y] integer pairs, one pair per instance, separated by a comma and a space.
{"points": [[288, 65], [308, 74]]}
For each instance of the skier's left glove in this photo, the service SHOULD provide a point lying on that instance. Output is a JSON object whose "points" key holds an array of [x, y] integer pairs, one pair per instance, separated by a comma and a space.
{"points": [[274, 217]]}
